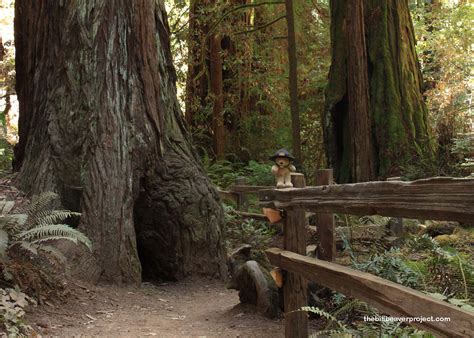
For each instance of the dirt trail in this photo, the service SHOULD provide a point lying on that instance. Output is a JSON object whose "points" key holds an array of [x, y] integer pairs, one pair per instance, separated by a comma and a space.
{"points": [[192, 308]]}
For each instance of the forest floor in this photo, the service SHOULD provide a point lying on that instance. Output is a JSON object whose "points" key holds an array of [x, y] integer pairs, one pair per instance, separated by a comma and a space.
{"points": [[190, 308]]}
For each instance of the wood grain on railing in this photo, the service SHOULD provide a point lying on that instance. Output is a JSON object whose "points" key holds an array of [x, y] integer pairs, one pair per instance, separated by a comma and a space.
{"points": [[386, 296], [436, 198]]}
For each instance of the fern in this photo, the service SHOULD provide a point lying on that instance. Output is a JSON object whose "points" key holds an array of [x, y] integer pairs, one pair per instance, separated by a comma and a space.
{"points": [[324, 314], [39, 204], [375, 220], [4, 238], [27, 246], [40, 234], [331, 333], [53, 216], [12, 223], [347, 307], [466, 292], [55, 253], [42, 224]]}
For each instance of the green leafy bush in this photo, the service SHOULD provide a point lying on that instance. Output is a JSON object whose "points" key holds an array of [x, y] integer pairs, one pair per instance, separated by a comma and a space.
{"points": [[391, 266]]}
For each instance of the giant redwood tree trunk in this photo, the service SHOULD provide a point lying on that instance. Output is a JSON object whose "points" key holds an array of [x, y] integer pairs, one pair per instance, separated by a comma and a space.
{"points": [[397, 112], [100, 125]]}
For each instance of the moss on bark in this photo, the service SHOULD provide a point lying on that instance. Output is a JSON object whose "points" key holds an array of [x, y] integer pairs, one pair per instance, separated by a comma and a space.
{"points": [[398, 112]]}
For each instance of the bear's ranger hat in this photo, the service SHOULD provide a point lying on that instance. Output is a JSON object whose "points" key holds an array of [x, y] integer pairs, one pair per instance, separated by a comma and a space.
{"points": [[282, 153]]}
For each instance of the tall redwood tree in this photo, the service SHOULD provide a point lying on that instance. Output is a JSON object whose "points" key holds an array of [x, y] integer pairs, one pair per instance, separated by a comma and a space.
{"points": [[101, 126], [379, 53]]}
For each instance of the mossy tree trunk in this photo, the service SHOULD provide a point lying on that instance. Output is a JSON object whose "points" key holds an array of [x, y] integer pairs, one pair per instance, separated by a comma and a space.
{"points": [[398, 113], [101, 126]]}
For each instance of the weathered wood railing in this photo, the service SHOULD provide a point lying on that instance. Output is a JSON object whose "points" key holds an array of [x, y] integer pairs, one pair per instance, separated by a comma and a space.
{"points": [[237, 194], [436, 198]]}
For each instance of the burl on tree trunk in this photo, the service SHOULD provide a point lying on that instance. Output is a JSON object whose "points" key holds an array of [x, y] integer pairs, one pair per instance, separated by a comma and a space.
{"points": [[397, 119], [100, 125]]}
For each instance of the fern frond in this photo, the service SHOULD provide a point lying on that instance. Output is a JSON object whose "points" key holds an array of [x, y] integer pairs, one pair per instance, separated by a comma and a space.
{"points": [[6, 207], [347, 307], [375, 220], [324, 314], [54, 238], [40, 203], [47, 217], [13, 223], [4, 238], [54, 231], [27, 246], [330, 333], [55, 253]]}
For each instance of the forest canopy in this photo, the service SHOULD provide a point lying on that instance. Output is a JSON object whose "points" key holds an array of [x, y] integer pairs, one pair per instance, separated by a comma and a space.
{"points": [[253, 105]]}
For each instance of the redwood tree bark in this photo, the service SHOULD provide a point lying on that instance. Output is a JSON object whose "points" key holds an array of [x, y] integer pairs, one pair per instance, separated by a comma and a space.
{"points": [[100, 125], [361, 151], [398, 113], [293, 81], [218, 97]]}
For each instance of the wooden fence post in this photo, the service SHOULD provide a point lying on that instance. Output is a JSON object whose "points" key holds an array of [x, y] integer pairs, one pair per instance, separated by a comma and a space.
{"points": [[242, 202], [295, 287], [396, 223], [325, 222]]}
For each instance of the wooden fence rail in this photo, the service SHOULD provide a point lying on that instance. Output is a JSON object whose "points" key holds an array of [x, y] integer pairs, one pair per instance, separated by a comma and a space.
{"points": [[435, 199], [237, 194], [388, 297]]}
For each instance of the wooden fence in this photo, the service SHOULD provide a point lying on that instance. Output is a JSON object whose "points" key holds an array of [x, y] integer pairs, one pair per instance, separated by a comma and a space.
{"points": [[238, 192], [436, 198]]}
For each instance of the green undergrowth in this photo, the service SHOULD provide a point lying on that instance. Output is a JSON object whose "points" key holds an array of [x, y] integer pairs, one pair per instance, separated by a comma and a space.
{"points": [[224, 173], [32, 269], [443, 272], [240, 231], [442, 267]]}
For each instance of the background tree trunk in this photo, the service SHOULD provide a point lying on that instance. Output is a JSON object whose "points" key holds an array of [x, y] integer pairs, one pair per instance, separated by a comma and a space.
{"points": [[218, 97], [361, 150], [293, 81], [197, 81], [100, 125], [400, 132]]}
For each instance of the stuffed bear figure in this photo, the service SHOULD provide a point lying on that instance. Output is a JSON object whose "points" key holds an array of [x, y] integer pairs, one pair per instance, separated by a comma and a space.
{"points": [[283, 168]]}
